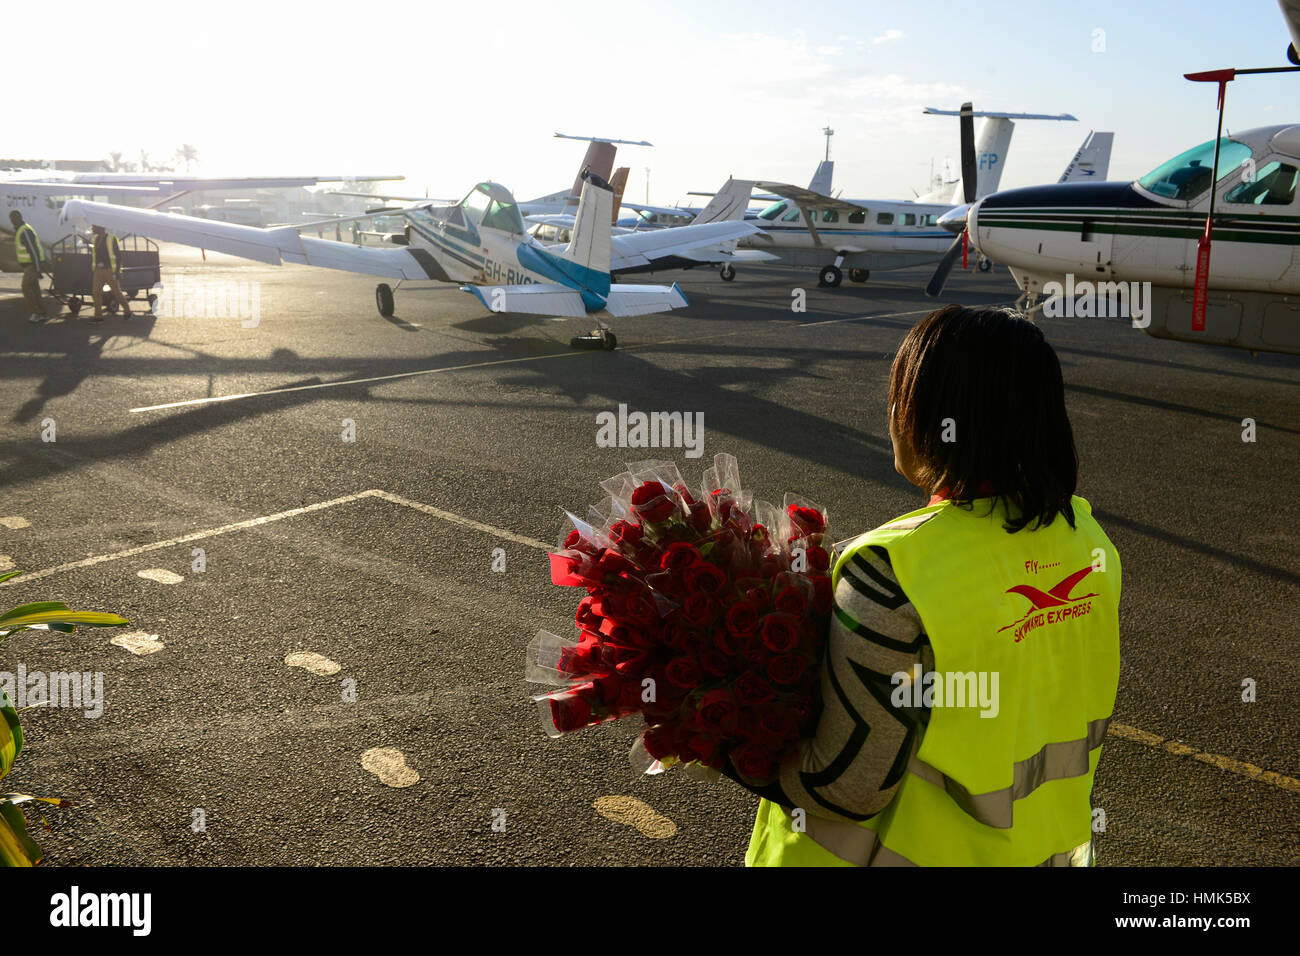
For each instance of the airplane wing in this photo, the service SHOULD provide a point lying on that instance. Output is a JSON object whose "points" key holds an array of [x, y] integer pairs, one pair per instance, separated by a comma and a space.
{"points": [[53, 188], [808, 199], [697, 242], [190, 183], [275, 245]]}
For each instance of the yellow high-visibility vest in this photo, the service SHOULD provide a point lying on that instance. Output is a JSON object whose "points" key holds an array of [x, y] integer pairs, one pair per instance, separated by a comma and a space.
{"points": [[25, 257], [110, 242], [1040, 609]]}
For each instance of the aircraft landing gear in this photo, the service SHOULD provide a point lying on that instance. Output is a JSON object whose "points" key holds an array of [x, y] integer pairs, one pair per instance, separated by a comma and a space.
{"points": [[384, 299], [728, 272], [859, 275], [601, 338], [830, 277], [984, 265]]}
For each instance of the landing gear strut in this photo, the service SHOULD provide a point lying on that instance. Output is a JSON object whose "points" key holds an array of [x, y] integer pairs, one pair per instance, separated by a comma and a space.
{"points": [[728, 272], [600, 338], [384, 299]]}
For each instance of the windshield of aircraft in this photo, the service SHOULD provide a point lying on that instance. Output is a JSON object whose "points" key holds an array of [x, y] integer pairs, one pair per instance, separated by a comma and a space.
{"points": [[772, 211], [1188, 174], [492, 206]]}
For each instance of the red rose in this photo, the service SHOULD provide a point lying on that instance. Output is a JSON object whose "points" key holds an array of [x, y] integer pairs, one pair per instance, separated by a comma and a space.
{"points": [[610, 565], [805, 521], [704, 578], [625, 533], [641, 608], [779, 724], [660, 741], [752, 762], [699, 610], [781, 633], [570, 568], [718, 710], [822, 595], [684, 672], [819, 559], [785, 669], [791, 601], [679, 555], [700, 517], [682, 490], [759, 596], [701, 747], [653, 503], [801, 709], [714, 662], [570, 712], [751, 690], [742, 619], [586, 617], [609, 688]]}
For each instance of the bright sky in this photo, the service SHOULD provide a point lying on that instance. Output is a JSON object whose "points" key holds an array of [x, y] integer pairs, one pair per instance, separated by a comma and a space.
{"points": [[449, 94]]}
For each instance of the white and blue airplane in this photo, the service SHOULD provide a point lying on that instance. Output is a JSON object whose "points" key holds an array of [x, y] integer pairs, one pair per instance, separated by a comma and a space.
{"points": [[806, 227], [479, 243]]}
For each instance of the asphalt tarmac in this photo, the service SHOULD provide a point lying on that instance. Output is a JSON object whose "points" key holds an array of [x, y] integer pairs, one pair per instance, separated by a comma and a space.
{"points": [[470, 431]]}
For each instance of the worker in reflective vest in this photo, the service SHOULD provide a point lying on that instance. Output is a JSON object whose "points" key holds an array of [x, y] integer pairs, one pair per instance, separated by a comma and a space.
{"points": [[973, 658], [27, 249], [105, 270]]}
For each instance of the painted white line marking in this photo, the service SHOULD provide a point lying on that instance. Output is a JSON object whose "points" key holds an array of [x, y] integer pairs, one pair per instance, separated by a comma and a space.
{"points": [[161, 575], [635, 813], [312, 662], [139, 642], [6, 562], [13, 522], [280, 516], [457, 519], [389, 765]]}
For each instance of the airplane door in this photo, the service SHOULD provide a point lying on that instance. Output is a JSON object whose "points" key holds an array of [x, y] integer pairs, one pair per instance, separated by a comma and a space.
{"points": [[1252, 222]]}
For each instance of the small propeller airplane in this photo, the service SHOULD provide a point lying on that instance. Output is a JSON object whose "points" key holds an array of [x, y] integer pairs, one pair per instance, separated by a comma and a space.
{"points": [[479, 243], [807, 227], [1238, 193], [39, 195]]}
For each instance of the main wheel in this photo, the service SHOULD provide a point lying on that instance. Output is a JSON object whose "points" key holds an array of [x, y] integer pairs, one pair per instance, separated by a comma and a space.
{"points": [[609, 341], [830, 277], [859, 275], [384, 299], [728, 272], [985, 265]]}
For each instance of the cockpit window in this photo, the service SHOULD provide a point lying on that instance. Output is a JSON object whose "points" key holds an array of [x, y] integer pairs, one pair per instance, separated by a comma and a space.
{"points": [[474, 205], [772, 211], [504, 216], [1188, 174], [791, 216], [1274, 185]]}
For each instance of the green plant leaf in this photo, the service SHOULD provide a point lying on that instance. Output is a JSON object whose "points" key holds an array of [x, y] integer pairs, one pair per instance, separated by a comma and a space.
{"points": [[34, 608], [11, 574], [16, 798], [16, 847], [11, 736], [75, 618]]}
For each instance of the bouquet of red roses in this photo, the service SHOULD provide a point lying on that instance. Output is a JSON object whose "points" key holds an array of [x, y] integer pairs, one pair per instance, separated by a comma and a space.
{"points": [[705, 614]]}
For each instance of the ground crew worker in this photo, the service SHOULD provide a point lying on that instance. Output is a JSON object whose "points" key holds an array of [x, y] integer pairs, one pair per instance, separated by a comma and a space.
{"points": [[973, 657], [105, 270], [30, 259]]}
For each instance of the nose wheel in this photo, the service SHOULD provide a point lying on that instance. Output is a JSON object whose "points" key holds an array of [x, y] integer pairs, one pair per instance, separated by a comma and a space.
{"points": [[830, 277], [728, 272]]}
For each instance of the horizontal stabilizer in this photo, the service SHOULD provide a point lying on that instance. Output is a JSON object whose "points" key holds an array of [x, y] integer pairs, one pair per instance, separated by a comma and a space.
{"points": [[537, 298], [626, 300]]}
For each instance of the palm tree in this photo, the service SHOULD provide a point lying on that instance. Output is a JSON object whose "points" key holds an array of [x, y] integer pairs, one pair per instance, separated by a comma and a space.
{"points": [[187, 154], [114, 162]]}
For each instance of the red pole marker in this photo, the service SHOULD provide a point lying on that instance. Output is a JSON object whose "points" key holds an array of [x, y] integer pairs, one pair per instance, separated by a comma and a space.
{"points": [[1201, 290], [965, 244]]}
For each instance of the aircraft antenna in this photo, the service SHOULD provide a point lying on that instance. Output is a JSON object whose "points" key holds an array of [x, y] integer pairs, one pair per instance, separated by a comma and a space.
{"points": [[828, 133]]}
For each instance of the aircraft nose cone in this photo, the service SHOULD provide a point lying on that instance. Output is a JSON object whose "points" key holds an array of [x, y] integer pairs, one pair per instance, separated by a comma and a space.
{"points": [[954, 220]]}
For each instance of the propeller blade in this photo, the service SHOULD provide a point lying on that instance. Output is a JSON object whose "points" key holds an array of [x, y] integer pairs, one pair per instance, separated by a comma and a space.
{"points": [[940, 277], [969, 169]]}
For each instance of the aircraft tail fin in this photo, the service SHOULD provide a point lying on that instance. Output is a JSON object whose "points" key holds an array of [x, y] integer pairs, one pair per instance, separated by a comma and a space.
{"points": [[599, 160], [991, 147], [821, 181], [728, 203], [589, 245], [1092, 162], [618, 183]]}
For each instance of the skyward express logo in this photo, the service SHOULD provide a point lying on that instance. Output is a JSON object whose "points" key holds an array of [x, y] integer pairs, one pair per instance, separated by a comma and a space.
{"points": [[1054, 606]]}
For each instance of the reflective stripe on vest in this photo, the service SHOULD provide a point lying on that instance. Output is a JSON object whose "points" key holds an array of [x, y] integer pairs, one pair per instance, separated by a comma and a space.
{"points": [[1055, 761], [25, 257]]}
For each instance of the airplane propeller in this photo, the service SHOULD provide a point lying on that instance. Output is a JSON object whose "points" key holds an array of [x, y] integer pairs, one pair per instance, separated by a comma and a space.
{"points": [[969, 178]]}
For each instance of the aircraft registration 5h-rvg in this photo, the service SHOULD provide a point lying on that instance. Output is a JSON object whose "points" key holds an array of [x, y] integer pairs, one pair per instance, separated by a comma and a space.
{"points": [[479, 242]]}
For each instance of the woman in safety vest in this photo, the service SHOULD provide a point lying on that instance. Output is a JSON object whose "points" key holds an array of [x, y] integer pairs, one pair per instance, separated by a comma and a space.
{"points": [[973, 656]]}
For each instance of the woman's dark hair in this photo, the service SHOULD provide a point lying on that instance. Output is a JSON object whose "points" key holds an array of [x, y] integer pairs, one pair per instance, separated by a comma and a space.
{"points": [[979, 396]]}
